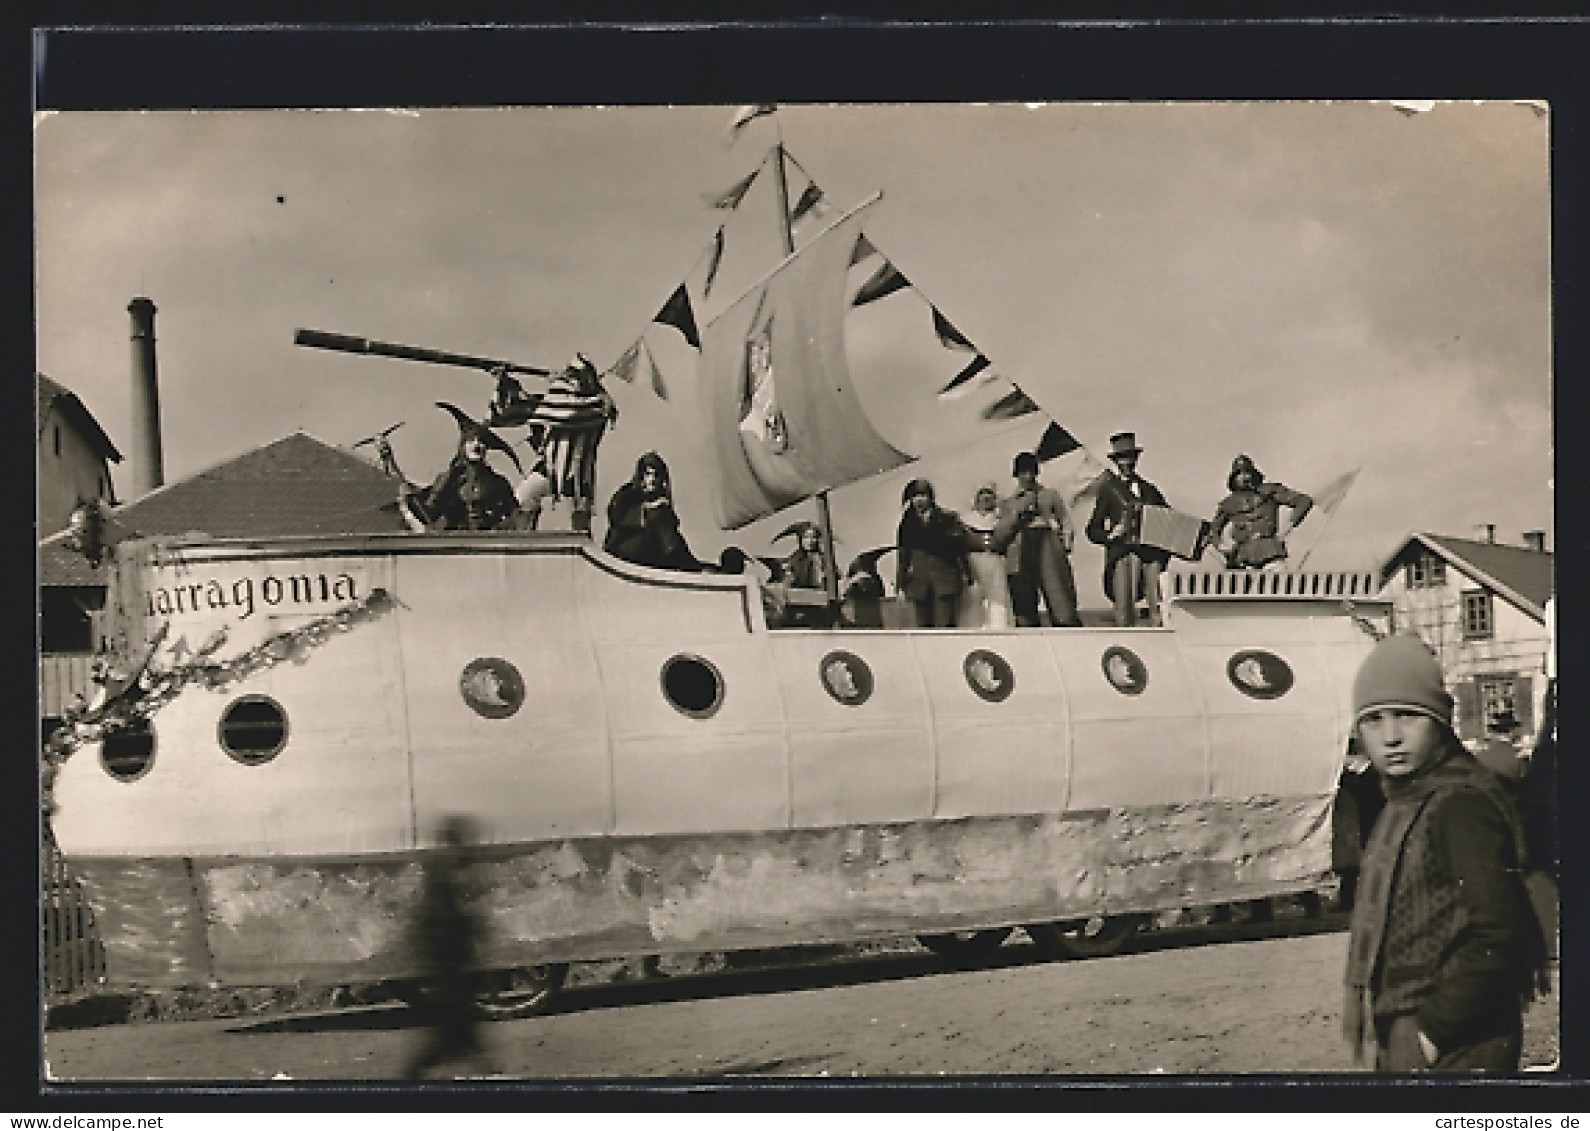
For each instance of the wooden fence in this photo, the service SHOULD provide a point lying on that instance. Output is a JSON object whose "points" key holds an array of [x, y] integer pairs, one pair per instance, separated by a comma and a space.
{"points": [[74, 960]]}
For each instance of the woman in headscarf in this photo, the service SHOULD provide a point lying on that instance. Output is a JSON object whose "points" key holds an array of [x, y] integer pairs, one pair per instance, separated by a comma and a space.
{"points": [[986, 602], [932, 568], [641, 524]]}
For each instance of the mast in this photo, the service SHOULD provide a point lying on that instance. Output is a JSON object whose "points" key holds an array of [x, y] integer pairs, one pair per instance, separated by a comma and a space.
{"points": [[825, 525]]}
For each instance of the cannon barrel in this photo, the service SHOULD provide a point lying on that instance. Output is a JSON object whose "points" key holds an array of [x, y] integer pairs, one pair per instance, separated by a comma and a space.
{"points": [[346, 343]]}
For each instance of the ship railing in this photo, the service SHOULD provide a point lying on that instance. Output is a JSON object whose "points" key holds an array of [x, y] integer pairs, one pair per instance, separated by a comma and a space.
{"points": [[1227, 584]]}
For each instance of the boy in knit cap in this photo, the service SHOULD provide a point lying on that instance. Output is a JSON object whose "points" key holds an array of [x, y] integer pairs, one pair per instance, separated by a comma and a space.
{"points": [[1445, 950]]}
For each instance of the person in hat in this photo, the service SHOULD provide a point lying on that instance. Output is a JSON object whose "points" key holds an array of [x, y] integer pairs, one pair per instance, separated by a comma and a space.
{"points": [[1252, 512], [1036, 535], [641, 524], [986, 602], [575, 412], [1131, 568], [469, 494], [931, 567], [1445, 950]]}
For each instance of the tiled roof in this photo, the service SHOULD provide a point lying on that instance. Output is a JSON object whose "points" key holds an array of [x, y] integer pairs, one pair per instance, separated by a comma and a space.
{"points": [[1521, 575], [54, 394], [294, 486]]}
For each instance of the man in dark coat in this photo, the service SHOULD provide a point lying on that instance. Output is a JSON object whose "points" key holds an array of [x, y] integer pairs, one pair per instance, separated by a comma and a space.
{"points": [[1131, 569], [930, 565], [641, 524], [1445, 949], [1252, 510]]}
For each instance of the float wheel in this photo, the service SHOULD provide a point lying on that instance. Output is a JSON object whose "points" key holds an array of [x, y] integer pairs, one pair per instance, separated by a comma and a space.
{"points": [[522, 992], [1097, 937]]}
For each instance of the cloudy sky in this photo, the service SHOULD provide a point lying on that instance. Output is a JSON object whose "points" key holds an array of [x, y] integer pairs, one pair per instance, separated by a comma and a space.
{"points": [[1321, 285]]}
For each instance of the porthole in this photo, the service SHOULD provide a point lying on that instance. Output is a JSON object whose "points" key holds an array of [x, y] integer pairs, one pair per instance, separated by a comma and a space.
{"points": [[1125, 670], [989, 675], [846, 677], [492, 687], [128, 753], [693, 686], [253, 730], [1259, 674]]}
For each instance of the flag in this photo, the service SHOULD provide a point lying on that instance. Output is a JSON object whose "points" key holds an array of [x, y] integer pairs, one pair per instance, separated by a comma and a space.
{"points": [[949, 336], [1013, 404], [747, 114], [864, 249], [676, 312], [624, 368], [657, 385], [714, 262], [963, 382], [885, 281], [731, 196], [810, 201], [1330, 496], [1056, 441]]}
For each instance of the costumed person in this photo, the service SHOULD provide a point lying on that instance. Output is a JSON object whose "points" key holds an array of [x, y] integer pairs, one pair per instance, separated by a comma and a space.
{"points": [[575, 411], [469, 495], [1252, 511], [1036, 534], [931, 564], [641, 524], [1445, 950], [986, 602], [1131, 568], [537, 483], [447, 937], [806, 569], [862, 592]]}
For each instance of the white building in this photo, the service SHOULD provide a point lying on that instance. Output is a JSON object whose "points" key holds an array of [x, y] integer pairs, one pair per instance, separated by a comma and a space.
{"points": [[1481, 607]]}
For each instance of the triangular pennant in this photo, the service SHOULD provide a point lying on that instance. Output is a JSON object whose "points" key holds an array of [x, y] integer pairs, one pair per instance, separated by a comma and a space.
{"points": [[731, 197], [864, 249], [1056, 441], [657, 385], [811, 200], [747, 114], [949, 336], [1330, 496], [885, 281], [676, 312], [714, 262], [963, 382], [624, 367], [1013, 404]]}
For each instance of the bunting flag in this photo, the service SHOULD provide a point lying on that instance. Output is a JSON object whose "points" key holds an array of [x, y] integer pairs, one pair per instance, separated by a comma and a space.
{"points": [[1013, 404], [730, 198], [1056, 441], [810, 201], [949, 336], [628, 361], [966, 380], [657, 385], [1330, 496], [747, 114], [714, 262], [676, 312], [885, 281], [864, 249]]}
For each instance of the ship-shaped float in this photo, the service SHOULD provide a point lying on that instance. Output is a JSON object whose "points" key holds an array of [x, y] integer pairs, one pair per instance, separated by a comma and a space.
{"points": [[655, 769]]}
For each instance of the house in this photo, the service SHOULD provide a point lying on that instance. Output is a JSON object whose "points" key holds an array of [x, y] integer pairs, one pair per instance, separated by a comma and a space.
{"points": [[74, 456], [296, 485], [1481, 607]]}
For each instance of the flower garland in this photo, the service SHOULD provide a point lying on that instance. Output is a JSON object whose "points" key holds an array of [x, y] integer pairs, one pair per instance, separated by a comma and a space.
{"points": [[143, 692]]}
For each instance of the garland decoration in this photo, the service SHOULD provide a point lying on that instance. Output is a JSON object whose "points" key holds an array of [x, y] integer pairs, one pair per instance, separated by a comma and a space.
{"points": [[134, 694]]}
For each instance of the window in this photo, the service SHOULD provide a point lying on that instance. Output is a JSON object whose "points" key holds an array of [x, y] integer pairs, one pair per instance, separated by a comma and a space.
{"points": [[128, 753], [254, 730], [693, 686], [1477, 615], [1496, 696], [57, 441], [1426, 571]]}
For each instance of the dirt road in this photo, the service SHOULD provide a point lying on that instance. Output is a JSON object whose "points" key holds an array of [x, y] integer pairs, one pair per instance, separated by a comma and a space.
{"points": [[1187, 1004]]}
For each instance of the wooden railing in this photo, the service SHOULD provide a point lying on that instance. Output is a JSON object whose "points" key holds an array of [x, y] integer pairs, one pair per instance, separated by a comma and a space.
{"points": [[74, 960], [1226, 583]]}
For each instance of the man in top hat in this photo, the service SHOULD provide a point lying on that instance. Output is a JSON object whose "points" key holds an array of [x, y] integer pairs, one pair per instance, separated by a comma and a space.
{"points": [[469, 495], [1131, 569], [1035, 532], [1252, 510]]}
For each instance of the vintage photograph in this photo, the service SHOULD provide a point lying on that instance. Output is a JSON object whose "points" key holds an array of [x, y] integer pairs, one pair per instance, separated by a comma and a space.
{"points": [[806, 591]]}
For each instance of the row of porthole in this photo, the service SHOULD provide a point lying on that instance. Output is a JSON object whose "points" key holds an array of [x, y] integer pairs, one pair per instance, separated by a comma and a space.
{"points": [[253, 729]]}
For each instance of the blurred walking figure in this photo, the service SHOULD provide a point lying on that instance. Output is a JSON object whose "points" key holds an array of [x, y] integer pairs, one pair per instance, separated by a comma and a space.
{"points": [[1445, 949], [448, 934]]}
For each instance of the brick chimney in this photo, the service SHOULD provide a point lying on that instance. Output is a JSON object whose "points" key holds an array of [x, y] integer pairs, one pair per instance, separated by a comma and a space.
{"points": [[1535, 540], [146, 465], [1490, 533]]}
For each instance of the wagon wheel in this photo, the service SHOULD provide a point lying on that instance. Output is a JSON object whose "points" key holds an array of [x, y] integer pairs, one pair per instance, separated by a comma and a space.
{"points": [[521, 992], [966, 944], [1085, 938]]}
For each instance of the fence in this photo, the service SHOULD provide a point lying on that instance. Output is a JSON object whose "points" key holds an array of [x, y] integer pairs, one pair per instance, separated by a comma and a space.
{"points": [[74, 960]]}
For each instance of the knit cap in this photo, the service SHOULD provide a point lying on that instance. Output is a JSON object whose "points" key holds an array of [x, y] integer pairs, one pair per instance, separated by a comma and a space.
{"points": [[1400, 671]]}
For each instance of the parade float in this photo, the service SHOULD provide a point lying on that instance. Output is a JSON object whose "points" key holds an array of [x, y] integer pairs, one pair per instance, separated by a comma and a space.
{"points": [[652, 766]]}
